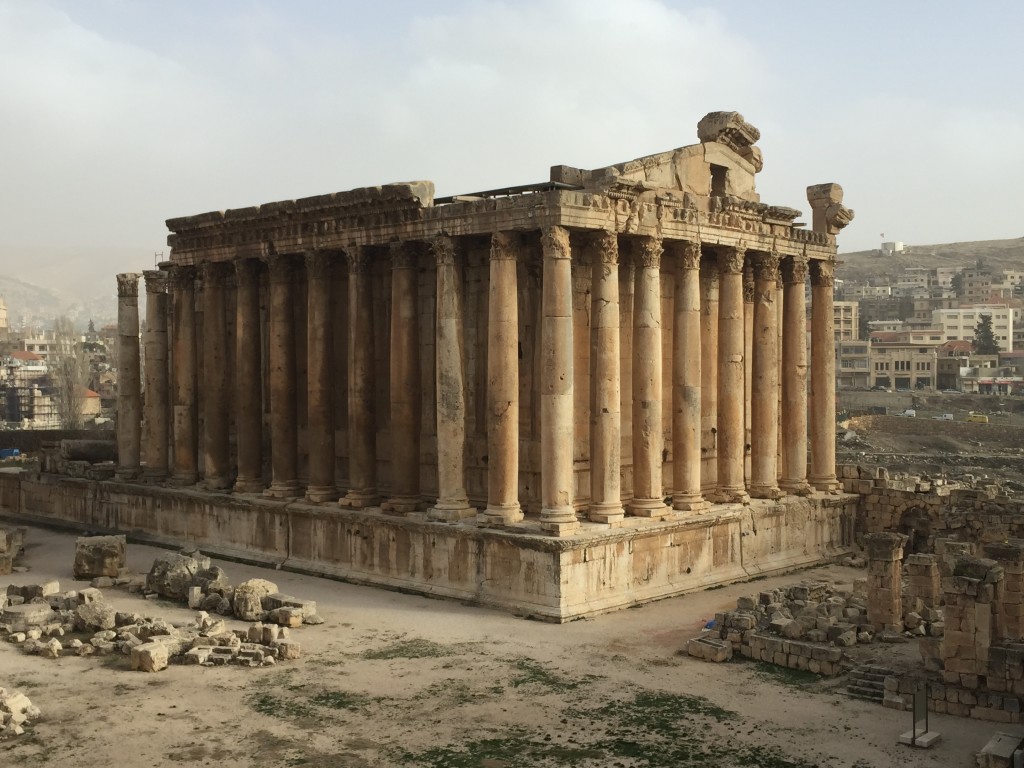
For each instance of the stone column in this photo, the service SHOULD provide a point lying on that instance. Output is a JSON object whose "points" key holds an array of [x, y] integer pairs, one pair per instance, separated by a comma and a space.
{"points": [[129, 384], [709, 375], [823, 378], [405, 382], [557, 514], [686, 378], [503, 384], [885, 582], [748, 366], [648, 435], [606, 413], [319, 402], [183, 361], [284, 436], [452, 501], [731, 394], [155, 427], [216, 398], [764, 429], [248, 378], [794, 375], [362, 418]]}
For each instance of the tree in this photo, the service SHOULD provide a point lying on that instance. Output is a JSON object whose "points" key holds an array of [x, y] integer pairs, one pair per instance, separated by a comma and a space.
{"points": [[984, 339], [69, 372], [957, 283]]}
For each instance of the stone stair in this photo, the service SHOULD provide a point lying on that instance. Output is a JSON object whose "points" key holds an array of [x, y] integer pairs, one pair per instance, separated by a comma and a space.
{"points": [[867, 682]]}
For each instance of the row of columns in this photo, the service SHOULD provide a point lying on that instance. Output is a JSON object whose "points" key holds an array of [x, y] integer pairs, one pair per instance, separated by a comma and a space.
{"points": [[708, 401]]}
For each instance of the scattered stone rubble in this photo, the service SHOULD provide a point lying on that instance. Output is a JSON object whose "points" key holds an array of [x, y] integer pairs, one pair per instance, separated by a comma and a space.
{"points": [[50, 623], [12, 544], [15, 711]]}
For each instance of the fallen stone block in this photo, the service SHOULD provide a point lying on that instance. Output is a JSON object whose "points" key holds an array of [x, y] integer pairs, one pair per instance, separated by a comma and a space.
{"points": [[99, 556], [149, 657], [172, 574], [287, 649], [95, 615], [709, 649]]}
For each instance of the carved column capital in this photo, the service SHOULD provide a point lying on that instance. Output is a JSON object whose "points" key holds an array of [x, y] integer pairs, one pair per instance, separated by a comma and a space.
{"points": [[282, 269], [690, 255], [443, 248], [403, 255], [318, 265], [606, 248], [503, 247], [748, 283], [648, 252], [183, 278], [555, 242], [794, 269], [128, 284], [358, 259], [731, 258], [823, 273], [766, 267], [156, 281]]}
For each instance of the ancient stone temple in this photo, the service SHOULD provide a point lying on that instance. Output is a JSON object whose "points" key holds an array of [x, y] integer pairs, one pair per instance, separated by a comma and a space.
{"points": [[559, 398]]}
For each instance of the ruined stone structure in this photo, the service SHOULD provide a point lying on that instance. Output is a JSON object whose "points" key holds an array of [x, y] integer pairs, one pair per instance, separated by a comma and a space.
{"points": [[611, 354]]}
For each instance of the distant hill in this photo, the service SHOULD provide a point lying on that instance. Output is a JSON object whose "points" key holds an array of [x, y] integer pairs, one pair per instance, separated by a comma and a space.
{"points": [[36, 304], [997, 254]]}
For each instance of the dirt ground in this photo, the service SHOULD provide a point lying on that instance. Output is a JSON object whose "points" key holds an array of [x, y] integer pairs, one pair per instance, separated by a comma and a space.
{"points": [[399, 680]]}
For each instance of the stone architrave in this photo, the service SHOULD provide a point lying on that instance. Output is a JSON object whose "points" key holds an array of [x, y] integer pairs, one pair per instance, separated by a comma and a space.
{"points": [[248, 378], [885, 583], [183, 356], [823, 378], [319, 400], [216, 398], [362, 419], [452, 501], [557, 514], [764, 430], [731, 369], [129, 384], [709, 375], [794, 375], [503, 506], [606, 384], [405, 382], [648, 436], [686, 378], [284, 482], [155, 408]]}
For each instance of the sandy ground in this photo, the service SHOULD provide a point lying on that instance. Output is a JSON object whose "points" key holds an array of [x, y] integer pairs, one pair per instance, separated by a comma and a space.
{"points": [[399, 680]]}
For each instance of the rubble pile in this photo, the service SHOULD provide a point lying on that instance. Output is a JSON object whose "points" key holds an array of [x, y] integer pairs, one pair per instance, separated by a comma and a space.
{"points": [[15, 711], [50, 623], [12, 544]]}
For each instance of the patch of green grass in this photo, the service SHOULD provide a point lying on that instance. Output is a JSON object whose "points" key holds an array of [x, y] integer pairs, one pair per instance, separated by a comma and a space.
{"points": [[532, 673], [514, 749], [798, 678], [339, 700], [275, 706], [27, 684], [417, 648]]}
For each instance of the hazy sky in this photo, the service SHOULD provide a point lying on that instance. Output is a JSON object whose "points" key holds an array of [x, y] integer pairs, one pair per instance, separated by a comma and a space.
{"points": [[118, 114]]}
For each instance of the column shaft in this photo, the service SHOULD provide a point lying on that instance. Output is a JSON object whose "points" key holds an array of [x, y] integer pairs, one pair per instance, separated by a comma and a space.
{"points": [[731, 394], [452, 502], [405, 382], [686, 378], [794, 375], [129, 384], [709, 375], [556, 387], [283, 415], [503, 384], [248, 378], [648, 435], [823, 378], [765, 381], [362, 418], [319, 402], [154, 437], [606, 411], [748, 365], [183, 360], [216, 424]]}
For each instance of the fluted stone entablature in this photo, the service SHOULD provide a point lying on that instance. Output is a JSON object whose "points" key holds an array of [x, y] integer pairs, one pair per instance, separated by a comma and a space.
{"points": [[544, 358]]}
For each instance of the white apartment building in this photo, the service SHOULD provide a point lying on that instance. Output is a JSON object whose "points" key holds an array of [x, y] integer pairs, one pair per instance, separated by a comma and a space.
{"points": [[960, 323]]}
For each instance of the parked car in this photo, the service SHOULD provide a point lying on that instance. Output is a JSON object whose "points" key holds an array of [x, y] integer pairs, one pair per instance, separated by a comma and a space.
{"points": [[945, 417], [977, 418], [909, 412]]}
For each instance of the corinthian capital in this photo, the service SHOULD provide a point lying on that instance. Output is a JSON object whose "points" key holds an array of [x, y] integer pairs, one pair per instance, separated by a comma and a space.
{"points": [[555, 241], [128, 284], [648, 252], [731, 258], [823, 273]]}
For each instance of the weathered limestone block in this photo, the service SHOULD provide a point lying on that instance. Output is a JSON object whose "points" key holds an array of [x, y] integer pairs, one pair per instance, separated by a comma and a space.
{"points": [[21, 617], [99, 556], [88, 450], [249, 596], [95, 615], [149, 657], [709, 649], [172, 574]]}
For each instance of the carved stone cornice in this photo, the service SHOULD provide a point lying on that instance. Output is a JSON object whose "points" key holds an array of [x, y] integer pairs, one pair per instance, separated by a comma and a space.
{"points": [[823, 274], [766, 267], [128, 285], [555, 242], [358, 259], [282, 269], [183, 278], [503, 247], [403, 255], [318, 265], [794, 269], [156, 281], [247, 270], [606, 247], [443, 248], [648, 251], [730, 259]]}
